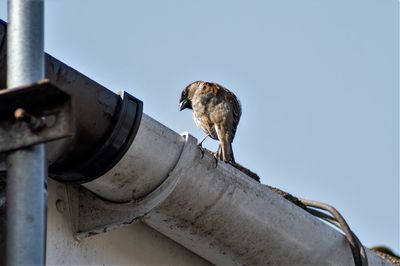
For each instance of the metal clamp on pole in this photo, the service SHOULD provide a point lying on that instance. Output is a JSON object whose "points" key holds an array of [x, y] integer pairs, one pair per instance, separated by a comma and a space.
{"points": [[33, 114]]}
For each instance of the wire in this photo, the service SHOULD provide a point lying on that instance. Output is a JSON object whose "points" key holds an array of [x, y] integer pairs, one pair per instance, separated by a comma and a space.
{"points": [[357, 249]]}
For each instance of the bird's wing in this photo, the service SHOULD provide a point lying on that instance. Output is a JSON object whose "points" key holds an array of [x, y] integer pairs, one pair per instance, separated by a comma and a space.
{"points": [[236, 107]]}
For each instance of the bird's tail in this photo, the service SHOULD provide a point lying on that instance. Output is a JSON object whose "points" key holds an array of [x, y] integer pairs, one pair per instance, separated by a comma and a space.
{"points": [[227, 152]]}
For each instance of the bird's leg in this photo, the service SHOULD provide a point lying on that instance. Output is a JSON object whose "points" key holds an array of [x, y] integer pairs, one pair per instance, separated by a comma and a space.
{"points": [[219, 152], [201, 141], [199, 144], [217, 155]]}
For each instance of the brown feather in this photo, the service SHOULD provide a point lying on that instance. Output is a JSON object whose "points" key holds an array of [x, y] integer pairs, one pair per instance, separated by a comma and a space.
{"points": [[217, 111]]}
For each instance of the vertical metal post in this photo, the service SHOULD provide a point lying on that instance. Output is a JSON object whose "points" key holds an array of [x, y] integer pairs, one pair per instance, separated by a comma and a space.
{"points": [[26, 167]]}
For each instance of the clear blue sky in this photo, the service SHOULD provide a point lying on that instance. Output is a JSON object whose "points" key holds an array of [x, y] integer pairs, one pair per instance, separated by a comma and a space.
{"points": [[318, 81]]}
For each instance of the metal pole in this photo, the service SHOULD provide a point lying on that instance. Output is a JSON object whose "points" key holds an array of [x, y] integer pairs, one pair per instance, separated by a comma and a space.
{"points": [[26, 167]]}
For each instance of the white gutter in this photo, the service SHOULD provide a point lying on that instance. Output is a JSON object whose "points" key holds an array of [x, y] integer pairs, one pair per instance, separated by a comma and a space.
{"points": [[219, 213]]}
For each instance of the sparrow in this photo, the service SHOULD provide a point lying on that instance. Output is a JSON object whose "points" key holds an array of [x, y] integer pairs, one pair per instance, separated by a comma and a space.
{"points": [[216, 110]]}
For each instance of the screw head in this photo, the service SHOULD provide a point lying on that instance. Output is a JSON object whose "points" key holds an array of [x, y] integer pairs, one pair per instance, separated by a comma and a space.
{"points": [[61, 206]]}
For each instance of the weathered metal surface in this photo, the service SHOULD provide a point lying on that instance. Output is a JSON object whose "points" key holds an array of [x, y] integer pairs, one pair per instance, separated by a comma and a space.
{"points": [[36, 96], [93, 215], [219, 212], [224, 216], [38, 101], [139, 172], [134, 244]]}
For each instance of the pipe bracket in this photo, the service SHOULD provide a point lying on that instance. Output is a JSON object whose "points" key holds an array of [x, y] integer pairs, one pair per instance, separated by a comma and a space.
{"points": [[33, 114], [92, 215]]}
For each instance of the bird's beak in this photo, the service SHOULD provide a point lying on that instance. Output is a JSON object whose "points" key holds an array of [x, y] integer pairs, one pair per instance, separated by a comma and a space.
{"points": [[184, 104]]}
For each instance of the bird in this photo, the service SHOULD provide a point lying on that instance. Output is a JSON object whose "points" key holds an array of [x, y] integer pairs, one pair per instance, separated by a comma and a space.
{"points": [[217, 111]]}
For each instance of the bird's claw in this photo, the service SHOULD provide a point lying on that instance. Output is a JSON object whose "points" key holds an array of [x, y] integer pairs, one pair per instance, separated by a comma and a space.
{"points": [[201, 150], [215, 156]]}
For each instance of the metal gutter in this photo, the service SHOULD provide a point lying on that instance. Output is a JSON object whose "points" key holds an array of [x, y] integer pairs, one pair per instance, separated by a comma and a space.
{"points": [[219, 213]]}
